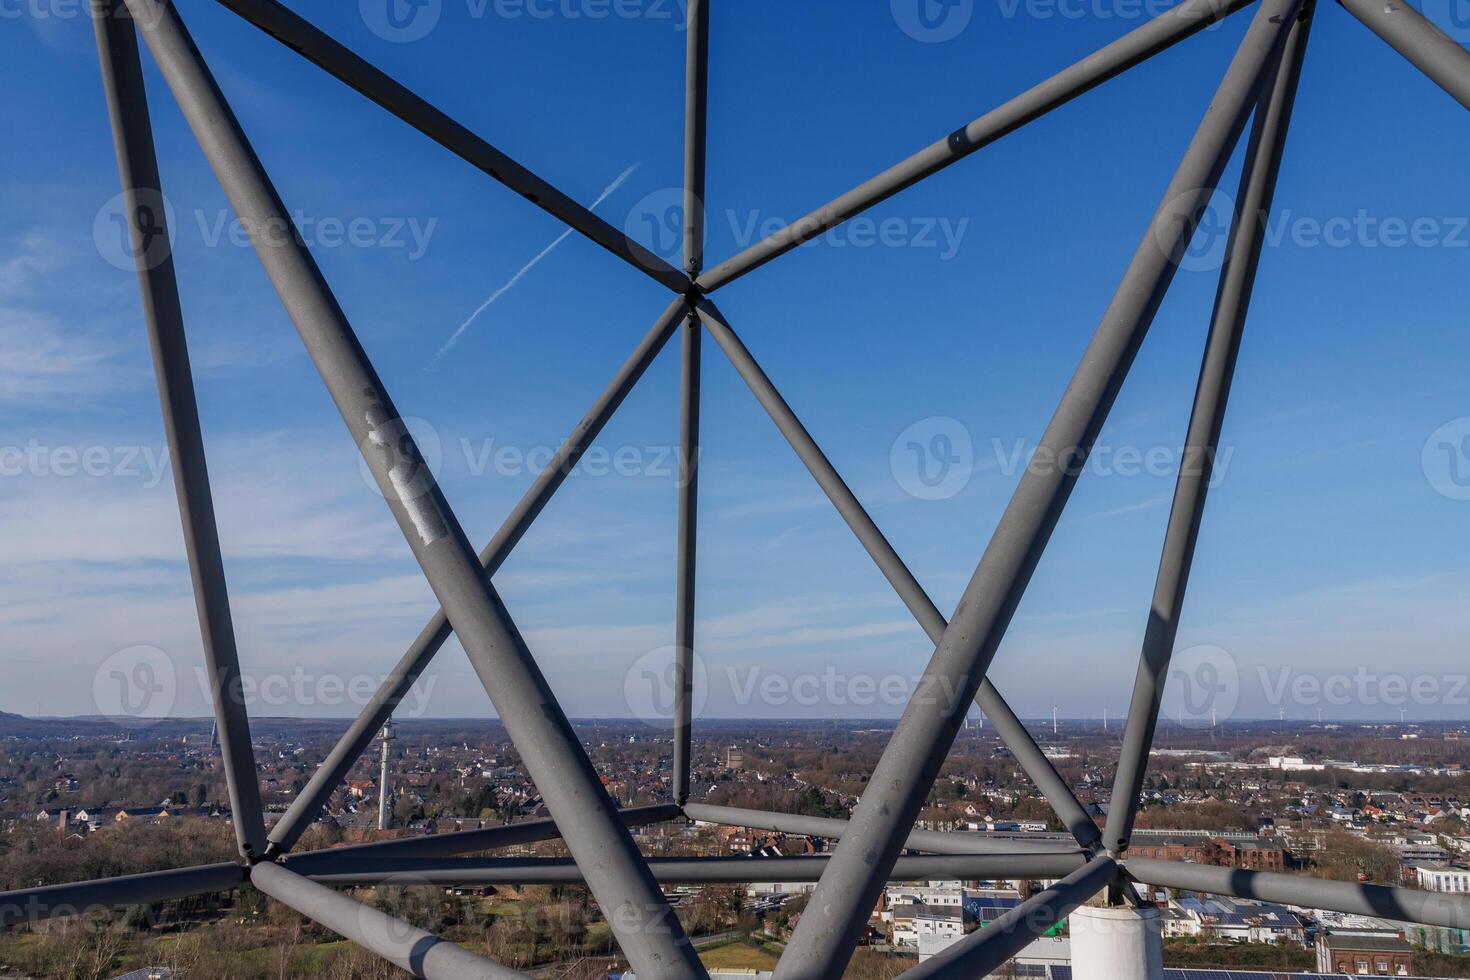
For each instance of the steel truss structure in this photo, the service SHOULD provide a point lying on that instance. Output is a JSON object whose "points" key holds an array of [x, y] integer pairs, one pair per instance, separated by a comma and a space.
{"points": [[1260, 84]]}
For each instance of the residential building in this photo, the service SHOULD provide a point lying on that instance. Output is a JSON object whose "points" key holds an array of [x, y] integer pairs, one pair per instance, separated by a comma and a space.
{"points": [[1382, 956], [1442, 878], [1232, 919], [912, 922]]}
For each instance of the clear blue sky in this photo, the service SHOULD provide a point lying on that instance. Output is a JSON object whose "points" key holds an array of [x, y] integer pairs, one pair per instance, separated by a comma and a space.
{"points": [[1328, 545]]}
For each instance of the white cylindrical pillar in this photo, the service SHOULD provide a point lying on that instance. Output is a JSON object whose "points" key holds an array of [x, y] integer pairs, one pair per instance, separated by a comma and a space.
{"points": [[1116, 943]]}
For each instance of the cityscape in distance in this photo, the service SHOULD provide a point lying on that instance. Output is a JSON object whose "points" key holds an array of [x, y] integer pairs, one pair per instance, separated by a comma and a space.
{"points": [[1375, 802]]}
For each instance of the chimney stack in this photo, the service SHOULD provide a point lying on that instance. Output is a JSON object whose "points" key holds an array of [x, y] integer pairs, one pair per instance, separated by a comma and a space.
{"points": [[385, 812]]}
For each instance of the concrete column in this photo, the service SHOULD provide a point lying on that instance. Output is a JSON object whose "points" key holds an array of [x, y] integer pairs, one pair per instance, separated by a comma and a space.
{"points": [[1116, 943]]}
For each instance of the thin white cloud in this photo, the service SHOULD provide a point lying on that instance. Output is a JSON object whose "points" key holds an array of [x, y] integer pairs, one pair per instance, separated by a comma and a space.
{"points": [[48, 362], [43, 365], [283, 496], [34, 257], [1150, 503], [521, 272]]}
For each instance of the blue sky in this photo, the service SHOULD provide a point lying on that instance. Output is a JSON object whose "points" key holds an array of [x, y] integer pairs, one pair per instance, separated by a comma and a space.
{"points": [[1334, 541]]}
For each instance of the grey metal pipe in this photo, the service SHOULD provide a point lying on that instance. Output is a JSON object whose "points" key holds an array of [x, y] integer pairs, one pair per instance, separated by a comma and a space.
{"points": [[984, 950], [696, 105], [1158, 34], [688, 491], [640, 918], [395, 687], [696, 125], [86, 897], [1424, 45], [405, 946], [911, 761], [132, 134], [1011, 730], [1402, 904], [717, 870], [1207, 417], [464, 841], [919, 840], [336, 60]]}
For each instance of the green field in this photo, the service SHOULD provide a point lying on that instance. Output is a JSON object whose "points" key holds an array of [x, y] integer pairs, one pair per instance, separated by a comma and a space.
{"points": [[738, 956]]}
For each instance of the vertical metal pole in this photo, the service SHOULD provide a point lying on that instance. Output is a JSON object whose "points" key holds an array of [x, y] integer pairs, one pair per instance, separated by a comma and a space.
{"points": [[1424, 45], [1010, 728], [1227, 325], [631, 900], [696, 116], [821, 944], [688, 531], [696, 90], [132, 133]]}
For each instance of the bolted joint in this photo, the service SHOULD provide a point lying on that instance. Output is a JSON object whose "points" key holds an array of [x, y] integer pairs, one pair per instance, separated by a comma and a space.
{"points": [[693, 296]]}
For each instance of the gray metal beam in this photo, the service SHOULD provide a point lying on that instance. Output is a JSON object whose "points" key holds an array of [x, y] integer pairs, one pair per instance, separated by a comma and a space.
{"points": [[918, 840], [336, 60], [640, 918], [981, 952], [1010, 728], [395, 687], [1207, 417], [717, 870], [132, 134], [1136, 46], [464, 841], [696, 104], [406, 946], [696, 125], [1424, 45], [898, 786], [1402, 904], [688, 491], [86, 897]]}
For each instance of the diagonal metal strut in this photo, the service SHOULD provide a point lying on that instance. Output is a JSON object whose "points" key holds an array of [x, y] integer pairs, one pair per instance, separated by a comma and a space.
{"points": [[132, 132], [1133, 48], [820, 945], [395, 687], [1422, 44], [1222, 347], [617, 875], [1011, 730], [336, 60]]}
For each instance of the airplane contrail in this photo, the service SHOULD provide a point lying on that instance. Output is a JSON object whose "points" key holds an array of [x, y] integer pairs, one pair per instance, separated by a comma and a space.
{"points": [[459, 331]]}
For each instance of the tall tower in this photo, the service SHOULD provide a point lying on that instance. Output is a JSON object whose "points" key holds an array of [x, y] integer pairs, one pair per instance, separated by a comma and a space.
{"points": [[385, 812]]}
